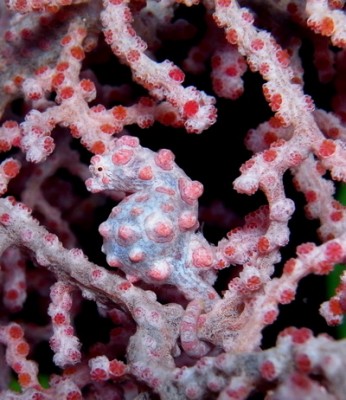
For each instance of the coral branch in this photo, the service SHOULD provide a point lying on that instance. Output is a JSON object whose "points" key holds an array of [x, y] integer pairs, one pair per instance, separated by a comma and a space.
{"points": [[115, 283]]}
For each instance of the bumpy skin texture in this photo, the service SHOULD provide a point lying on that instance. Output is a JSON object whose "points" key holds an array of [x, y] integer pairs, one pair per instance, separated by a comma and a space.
{"points": [[151, 235]]}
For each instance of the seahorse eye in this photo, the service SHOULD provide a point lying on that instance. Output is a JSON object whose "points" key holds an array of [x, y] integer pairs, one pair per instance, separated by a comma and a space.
{"points": [[100, 169]]}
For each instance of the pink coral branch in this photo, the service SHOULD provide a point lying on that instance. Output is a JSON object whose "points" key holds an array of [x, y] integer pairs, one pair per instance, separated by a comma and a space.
{"points": [[162, 80], [174, 303]]}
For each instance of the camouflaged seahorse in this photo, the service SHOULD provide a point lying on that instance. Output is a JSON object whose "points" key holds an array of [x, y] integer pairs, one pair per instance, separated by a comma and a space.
{"points": [[151, 234]]}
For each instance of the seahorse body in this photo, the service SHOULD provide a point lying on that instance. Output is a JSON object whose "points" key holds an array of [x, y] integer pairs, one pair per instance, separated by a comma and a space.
{"points": [[151, 235]]}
